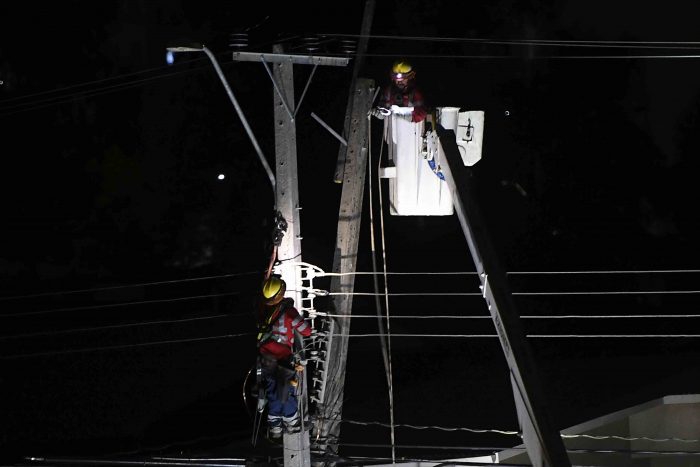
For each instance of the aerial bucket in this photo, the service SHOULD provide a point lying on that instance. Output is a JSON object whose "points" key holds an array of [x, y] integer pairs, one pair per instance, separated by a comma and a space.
{"points": [[416, 184]]}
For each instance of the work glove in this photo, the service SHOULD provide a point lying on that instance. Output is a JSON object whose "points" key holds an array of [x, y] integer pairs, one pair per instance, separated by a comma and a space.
{"points": [[377, 112]]}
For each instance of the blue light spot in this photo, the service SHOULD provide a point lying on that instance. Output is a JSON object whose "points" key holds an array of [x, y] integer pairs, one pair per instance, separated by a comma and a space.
{"points": [[170, 57]]}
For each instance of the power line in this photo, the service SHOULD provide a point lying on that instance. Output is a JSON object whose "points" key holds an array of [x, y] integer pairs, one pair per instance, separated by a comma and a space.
{"points": [[535, 57], [25, 107], [448, 294], [116, 305], [473, 273], [632, 438], [432, 427], [121, 347], [370, 273], [517, 433], [41, 103], [115, 326], [542, 42], [534, 336], [628, 271], [612, 292], [406, 294], [521, 448], [87, 83], [522, 316], [144, 284]]}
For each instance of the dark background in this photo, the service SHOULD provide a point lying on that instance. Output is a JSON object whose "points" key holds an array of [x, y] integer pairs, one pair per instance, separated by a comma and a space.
{"points": [[109, 178]]}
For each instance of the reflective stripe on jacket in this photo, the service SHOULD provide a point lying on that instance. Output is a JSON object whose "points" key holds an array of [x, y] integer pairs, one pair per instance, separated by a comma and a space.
{"points": [[279, 341]]}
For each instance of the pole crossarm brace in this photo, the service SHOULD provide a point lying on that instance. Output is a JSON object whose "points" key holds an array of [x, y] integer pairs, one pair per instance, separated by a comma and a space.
{"points": [[266, 58], [330, 130], [295, 59], [543, 442]]}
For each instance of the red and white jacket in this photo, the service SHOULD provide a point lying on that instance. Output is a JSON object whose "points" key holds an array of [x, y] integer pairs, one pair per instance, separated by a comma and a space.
{"points": [[409, 96], [277, 340]]}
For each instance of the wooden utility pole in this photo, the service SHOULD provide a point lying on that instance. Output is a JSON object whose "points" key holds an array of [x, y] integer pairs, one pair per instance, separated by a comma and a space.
{"points": [[367, 17], [542, 441], [296, 446], [345, 260]]}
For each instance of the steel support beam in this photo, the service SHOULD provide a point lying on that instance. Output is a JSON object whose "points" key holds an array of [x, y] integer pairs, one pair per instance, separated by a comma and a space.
{"points": [[542, 441]]}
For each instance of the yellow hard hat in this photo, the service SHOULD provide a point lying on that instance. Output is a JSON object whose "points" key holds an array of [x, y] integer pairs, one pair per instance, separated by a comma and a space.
{"points": [[402, 70], [273, 289]]}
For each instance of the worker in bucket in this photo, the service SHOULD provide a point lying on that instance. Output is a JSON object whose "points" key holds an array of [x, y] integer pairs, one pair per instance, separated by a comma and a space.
{"points": [[401, 92], [277, 371]]}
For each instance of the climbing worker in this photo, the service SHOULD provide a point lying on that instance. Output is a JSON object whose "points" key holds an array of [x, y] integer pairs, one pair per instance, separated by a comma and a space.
{"points": [[402, 92], [278, 322]]}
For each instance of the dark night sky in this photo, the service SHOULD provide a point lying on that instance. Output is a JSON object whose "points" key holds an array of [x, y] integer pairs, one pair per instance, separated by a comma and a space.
{"points": [[114, 182]]}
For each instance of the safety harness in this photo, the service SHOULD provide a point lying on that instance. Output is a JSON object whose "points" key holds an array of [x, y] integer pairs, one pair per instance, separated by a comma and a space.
{"points": [[265, 333]]}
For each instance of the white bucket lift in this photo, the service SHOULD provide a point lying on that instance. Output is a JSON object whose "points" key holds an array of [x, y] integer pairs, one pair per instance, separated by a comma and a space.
{"points": [[416, 186]]}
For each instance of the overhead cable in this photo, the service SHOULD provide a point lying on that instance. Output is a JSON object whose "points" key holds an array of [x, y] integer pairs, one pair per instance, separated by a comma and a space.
{"points": [[522, 316], [115, 326], [517, 433], [370, 273], [23, 107], [126, 286], [472, 273], [447, 294], [87, 83], [542, 42], [522, 448], [628, 271], [46, 102], [432, 427], [121, 347], [632, 438], [534, 336], [612, 292], [117, 305]]}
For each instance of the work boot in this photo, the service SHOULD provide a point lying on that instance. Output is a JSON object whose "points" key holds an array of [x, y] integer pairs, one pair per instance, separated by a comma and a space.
{"points": [[275, 432], [292, 425]]}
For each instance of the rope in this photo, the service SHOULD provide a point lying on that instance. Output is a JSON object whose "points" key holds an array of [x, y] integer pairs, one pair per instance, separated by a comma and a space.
{"points": [[386, 304], [377, 303]]}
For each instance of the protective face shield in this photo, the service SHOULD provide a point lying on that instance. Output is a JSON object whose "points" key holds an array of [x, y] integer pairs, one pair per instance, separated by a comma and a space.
{"points": [[273, 290]]}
